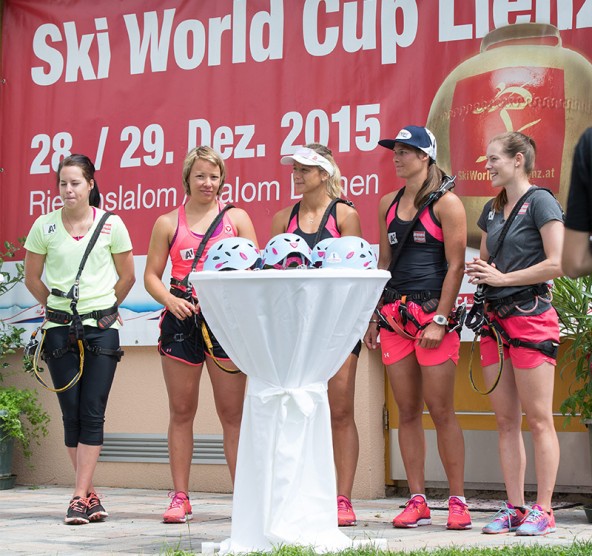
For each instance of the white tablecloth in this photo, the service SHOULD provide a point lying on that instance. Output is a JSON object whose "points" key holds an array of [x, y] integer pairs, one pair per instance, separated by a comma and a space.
{"points": [[289, 331]]}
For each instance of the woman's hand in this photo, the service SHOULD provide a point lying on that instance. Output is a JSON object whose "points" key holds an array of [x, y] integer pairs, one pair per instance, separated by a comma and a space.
{"points": [[371, 336], [431, 336], [181, 308], [480, 272]]}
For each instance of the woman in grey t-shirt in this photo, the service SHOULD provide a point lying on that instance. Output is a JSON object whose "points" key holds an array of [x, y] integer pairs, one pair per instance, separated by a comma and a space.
{"points": [[518, 308]]}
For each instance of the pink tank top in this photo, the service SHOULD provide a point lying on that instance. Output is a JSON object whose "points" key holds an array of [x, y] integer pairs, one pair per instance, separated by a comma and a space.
{"points": [[185, 243]]}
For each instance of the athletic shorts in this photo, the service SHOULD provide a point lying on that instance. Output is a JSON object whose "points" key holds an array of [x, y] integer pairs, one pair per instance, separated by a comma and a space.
{"points": [[357, 349], [396, 347], [529, 328], [183, 340]]}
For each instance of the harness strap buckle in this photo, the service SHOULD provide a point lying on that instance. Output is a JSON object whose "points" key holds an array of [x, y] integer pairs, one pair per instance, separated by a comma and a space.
{"points": [[98, 350], [58, 293]]}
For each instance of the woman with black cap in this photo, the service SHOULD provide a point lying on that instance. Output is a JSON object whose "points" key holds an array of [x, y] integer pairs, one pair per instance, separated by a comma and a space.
{"points": [[422, 242]]}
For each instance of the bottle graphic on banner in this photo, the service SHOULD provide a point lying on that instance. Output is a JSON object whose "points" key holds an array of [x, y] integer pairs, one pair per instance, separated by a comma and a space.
{"points": [[522, 80]]}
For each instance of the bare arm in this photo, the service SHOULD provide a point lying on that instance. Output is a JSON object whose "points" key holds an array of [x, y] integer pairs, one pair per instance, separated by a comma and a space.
{"points": [[279, 222], [384, 261], [552, 234], [34, 264], [158, 254], [244, 225], [384, 253], [577, 256], [348, 221], [124, 266]]}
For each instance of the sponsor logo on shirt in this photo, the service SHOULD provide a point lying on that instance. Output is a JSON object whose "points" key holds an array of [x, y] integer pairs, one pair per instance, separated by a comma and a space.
{"points": [[187, 254], [49, 228], [523, 208], [392, 238], [106, 229], [491, 215], [419, 237]]}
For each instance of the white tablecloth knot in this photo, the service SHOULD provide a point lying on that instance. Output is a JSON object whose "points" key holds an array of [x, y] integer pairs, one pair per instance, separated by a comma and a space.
{"points": [[304, 398]]}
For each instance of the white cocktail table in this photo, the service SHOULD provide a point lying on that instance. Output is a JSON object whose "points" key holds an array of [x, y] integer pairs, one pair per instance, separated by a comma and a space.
{"points": [[289, 331]]}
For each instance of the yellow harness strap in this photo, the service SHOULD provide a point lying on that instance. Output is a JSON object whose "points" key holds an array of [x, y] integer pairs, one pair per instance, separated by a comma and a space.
{"points": [[210, 347], [36, 369]]}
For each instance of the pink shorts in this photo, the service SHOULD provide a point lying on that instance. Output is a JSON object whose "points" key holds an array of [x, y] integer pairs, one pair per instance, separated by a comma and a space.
{"points": [[396, 347], [529, 328]]}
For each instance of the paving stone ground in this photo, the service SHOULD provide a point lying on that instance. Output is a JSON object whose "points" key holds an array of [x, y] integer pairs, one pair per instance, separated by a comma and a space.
{"points": [[31, 522]]}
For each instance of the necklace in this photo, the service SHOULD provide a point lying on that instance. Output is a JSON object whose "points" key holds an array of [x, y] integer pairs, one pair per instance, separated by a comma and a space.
{"points": [[83, 227], [315, 215]]}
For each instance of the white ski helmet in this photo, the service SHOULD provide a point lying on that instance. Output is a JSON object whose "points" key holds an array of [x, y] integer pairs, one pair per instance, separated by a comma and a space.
{"points": [[350, 252], [319, 252], [233, 253], [286, 251]]}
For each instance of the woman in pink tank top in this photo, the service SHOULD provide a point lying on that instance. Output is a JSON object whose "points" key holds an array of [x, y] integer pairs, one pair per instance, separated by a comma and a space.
{"points": [[181, 344]]}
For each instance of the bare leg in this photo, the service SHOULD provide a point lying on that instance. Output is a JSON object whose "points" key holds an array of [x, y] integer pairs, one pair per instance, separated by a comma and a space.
{"points": [[438, 388], [343, 426], [508, 415], [84, 460], [406, 383], [229, 395], [535, 388], [182, 382]]}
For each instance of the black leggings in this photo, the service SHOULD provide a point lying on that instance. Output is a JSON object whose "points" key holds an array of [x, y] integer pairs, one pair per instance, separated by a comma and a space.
{"points": [[83, 406]]}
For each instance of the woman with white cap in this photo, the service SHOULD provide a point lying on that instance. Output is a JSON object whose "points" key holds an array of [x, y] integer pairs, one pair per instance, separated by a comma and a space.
{"points": [[422, 243], [317, 178]]}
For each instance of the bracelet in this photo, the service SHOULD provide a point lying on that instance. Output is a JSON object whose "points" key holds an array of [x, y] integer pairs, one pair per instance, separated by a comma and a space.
{"points": [[374, 321]]}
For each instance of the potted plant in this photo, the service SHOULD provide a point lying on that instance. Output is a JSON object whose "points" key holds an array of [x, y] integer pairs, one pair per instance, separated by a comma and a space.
{"points": [[22, 418], [573, 301]]}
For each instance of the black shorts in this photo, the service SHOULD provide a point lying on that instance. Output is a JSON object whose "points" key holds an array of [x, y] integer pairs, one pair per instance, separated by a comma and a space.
{"points": [[357, 349], [184, 339]]}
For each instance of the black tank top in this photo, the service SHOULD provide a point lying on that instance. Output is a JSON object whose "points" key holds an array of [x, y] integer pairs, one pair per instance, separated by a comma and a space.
{"points": [[422, 263], [330, 229]]}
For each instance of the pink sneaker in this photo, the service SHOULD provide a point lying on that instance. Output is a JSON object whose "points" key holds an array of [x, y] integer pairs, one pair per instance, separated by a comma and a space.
{"points": [[179, 510], [459, 517], [345, 512], [416, 513], [537, 522]]}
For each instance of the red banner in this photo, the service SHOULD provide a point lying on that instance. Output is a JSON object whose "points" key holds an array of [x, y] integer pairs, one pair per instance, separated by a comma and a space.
{"points": [[136, 84]]}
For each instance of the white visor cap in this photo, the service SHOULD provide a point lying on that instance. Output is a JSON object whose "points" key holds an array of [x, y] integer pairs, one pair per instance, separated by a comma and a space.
{"points": [[308, 157]]}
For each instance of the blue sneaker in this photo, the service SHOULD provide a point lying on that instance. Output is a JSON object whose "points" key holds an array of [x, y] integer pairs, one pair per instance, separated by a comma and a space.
{"points": [[537, 522], [507, 519]]}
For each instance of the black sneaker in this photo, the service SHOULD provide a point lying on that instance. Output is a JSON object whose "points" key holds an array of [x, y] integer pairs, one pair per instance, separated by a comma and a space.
{"points": [[95, 510], [77, 511]]}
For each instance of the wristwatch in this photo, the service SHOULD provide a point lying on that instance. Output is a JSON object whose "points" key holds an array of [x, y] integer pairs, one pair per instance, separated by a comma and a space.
{"points": [[440, 320]]}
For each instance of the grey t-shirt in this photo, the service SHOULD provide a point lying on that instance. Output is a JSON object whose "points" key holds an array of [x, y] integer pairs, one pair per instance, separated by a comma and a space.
{"points": [[523, 246]]}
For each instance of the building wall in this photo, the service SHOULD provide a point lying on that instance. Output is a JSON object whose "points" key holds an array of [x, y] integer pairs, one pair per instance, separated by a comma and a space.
{"points": [[482, 466], [138, 404]]}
